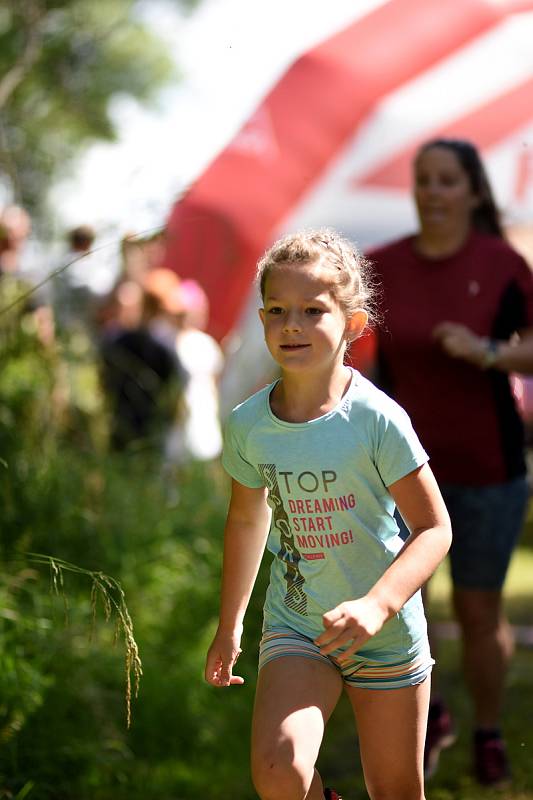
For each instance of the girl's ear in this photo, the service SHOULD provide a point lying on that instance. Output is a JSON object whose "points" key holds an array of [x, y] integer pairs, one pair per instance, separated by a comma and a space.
{"points": [[356, 325], [262, 315]]}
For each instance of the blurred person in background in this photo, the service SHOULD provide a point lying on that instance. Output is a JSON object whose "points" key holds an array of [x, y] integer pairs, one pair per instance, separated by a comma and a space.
{"points": [[70, 290], [141, 373], [198, 435], [21, 274], [15, 228], [81, 281], [458, 311], [165, 285]]}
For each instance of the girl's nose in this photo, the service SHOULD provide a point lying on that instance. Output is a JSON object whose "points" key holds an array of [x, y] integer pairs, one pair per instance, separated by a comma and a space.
{"points": [[292, 322]]}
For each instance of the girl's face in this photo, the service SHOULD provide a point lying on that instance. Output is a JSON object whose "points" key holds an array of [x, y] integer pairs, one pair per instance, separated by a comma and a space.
{"points": [[442, 190], [305, 328]]}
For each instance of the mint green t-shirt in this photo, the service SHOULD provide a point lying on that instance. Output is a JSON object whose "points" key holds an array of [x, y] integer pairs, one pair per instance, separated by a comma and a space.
{"points": [[333, 531]]}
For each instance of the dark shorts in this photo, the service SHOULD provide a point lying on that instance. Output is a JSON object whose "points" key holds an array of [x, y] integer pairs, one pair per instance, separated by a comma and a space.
{"points": [[486, 524]]}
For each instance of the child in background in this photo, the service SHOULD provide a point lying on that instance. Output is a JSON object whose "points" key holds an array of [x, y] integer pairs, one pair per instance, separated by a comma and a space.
{"points": [[321, 457], [197, 434]]}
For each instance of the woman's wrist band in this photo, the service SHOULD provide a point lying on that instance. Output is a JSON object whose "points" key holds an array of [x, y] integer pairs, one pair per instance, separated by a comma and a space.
{"points": [[490, 356]]}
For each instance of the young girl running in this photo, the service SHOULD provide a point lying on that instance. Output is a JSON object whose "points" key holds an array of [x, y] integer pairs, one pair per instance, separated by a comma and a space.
{"points": [[320, 458]]}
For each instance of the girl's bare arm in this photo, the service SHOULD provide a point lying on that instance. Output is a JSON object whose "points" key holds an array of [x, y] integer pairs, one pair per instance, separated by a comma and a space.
{"points": [[421, 505], [244, 542]]}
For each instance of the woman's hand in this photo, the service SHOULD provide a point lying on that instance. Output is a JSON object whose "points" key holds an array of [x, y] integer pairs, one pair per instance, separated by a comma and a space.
{"points": [[221, 658], [458, 341], [352, 622]]}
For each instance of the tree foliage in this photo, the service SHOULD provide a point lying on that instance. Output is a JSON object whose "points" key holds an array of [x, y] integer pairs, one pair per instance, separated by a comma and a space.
{"points": [[61, 63]]}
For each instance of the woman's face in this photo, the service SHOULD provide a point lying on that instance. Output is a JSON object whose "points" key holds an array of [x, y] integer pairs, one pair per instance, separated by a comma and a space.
{"points": [[442, 191]]}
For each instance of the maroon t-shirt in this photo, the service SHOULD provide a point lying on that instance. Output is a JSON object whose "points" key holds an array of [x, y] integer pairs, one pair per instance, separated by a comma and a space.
{"points": [[465, 417]]}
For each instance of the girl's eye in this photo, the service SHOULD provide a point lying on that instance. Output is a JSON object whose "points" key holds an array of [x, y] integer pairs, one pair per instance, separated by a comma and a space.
{"points": [[275, 310], [315, 312]]}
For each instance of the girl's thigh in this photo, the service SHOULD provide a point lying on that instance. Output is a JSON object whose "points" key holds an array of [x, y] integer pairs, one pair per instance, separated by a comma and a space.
{"points": [[391, 725], [294, 699]]}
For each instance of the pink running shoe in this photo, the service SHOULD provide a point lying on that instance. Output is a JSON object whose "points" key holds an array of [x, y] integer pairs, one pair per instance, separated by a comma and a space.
{"points": [[491, 764], [331, 794], [440, 735]]}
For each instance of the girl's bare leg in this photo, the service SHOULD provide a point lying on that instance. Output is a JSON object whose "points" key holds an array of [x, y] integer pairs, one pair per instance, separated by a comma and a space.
{"points": [[294, 699], [392, 727]]}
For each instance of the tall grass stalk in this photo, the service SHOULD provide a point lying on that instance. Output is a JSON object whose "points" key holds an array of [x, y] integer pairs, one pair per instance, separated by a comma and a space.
{"points": [[113, 600]]}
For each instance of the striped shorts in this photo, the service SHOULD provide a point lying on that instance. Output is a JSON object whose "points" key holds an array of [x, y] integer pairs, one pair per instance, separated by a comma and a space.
{"points": [[390, 672]]}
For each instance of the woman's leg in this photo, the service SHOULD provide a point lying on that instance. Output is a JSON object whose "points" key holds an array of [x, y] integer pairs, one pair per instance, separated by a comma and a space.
{"points": [[487, 522], [391, 724], [487, 650], [294, 699]]}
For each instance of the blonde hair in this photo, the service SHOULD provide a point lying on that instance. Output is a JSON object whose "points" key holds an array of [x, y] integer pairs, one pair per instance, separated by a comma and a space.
{"points": [[352, 286]]}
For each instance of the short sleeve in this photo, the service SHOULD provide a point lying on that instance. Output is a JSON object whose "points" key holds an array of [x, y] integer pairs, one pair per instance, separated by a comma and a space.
{"points": [[399, 450], [234, 458]]}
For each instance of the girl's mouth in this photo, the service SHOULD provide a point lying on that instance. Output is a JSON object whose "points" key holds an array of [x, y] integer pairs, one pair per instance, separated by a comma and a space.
{"points": [[292, 347]]}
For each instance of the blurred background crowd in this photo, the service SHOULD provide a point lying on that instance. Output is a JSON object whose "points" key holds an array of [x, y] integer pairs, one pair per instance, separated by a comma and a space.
{"points": [[157, 367]]}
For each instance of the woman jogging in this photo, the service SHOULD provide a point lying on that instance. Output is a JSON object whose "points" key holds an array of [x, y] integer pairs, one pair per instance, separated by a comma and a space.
{"points": [[320, 458]]}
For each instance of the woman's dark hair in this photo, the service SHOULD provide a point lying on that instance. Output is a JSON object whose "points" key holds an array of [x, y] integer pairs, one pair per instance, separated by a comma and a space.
{"points": [[485, 217]]}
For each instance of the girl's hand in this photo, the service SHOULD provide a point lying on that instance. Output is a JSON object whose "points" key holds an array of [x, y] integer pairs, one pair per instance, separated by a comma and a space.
{"points": [[353, 621], [458, 341], [221, 658]]}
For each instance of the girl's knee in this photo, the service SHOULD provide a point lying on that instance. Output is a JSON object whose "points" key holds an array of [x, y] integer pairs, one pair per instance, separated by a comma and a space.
{"points": [[277, 775]]}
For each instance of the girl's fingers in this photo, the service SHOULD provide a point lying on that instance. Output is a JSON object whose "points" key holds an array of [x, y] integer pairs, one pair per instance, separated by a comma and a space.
{"points": [[212, 669], [227, 679], [335, 615], [339, 633], [334, 622], [349, 652], [339, 641], [330, 634], [220, 674]]}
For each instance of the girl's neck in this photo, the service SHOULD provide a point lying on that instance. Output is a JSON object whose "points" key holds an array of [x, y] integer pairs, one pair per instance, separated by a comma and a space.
{"points": [[300, 398], [440, 244]]}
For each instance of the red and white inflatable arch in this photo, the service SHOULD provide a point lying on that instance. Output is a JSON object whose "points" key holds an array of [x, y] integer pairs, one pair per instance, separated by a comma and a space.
{"points": [[331, 144]]}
